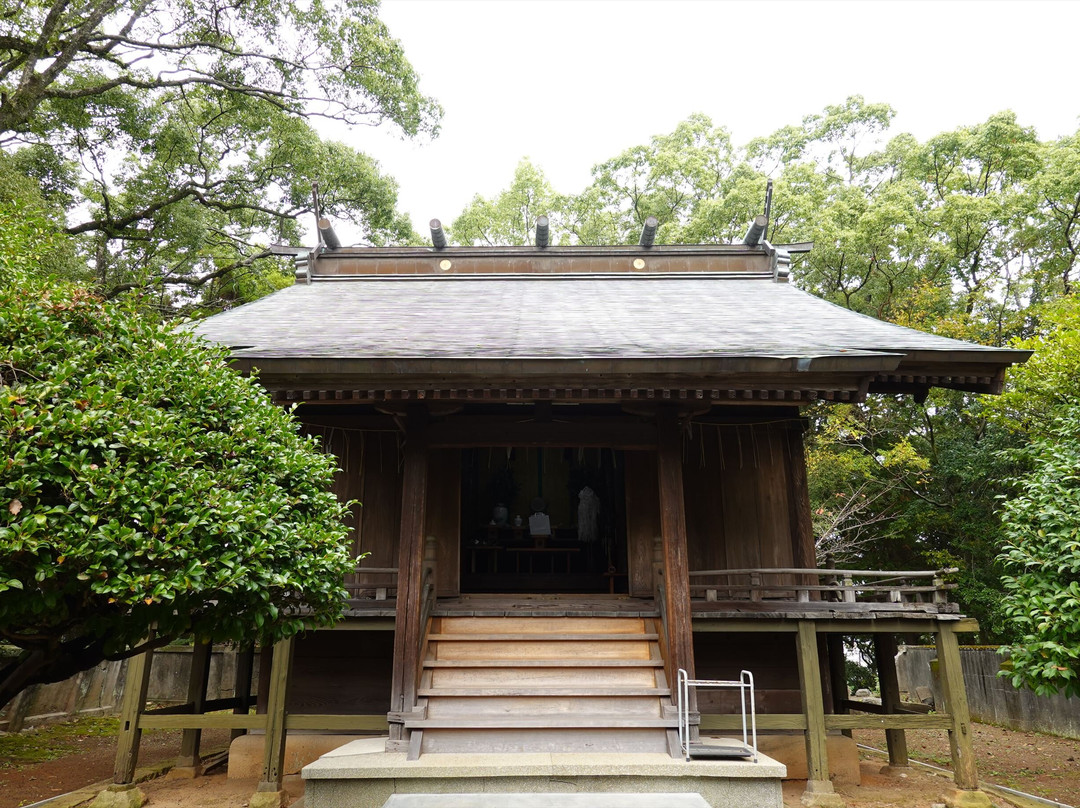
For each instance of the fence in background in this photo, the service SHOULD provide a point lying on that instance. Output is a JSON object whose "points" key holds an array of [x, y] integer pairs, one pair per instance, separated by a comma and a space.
{"points": [[98, 691], [991, 698]]}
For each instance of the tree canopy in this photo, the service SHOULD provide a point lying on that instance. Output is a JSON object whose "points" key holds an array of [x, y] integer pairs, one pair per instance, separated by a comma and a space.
{"points": [[147, 492], [174, 141]]}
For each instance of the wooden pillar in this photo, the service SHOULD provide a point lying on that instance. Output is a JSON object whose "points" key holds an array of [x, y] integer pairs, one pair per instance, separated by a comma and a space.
{"points": [[952, 686], [680, 638], [245, 665], [274, 747], [834, 644], [819, 789], [136, 683], [196, 696], [885, 649], [407, 626]]}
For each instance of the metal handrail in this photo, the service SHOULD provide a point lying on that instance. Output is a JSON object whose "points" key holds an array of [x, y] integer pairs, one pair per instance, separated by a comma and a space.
{"points": [[745, 683]]}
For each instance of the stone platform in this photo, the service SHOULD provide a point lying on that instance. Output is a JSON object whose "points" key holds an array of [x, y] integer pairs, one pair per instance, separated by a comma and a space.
{"points": [[612, 800], [362, 775]]}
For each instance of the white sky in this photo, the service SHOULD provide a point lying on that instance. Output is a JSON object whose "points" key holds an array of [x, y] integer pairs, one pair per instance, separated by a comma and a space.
{"points": [[572, 83]]}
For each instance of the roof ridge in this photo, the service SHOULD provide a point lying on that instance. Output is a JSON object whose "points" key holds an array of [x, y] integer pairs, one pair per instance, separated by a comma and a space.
{"points": [[523, 276]]}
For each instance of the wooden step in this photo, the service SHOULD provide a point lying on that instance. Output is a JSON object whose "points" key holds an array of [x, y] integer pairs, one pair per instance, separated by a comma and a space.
{"points": [[519, 721], [543, 663], [521, 690], [558, 677], [470, 707], [535, 637], [531, 649], [541, 625]]}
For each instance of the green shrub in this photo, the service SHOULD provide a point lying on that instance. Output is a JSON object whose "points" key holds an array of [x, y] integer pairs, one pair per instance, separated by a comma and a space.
{"points": [[146, 488]]}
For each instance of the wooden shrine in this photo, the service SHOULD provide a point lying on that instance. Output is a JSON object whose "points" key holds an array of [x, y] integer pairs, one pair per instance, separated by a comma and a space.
{"points": [[581, 469]]}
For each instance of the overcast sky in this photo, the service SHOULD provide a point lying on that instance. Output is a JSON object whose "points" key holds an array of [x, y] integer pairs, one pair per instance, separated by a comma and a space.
{"points": [[572, 83]]}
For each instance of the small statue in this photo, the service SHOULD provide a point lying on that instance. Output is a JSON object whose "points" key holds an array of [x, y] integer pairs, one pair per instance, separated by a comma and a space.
{"points": [[588, 516]]}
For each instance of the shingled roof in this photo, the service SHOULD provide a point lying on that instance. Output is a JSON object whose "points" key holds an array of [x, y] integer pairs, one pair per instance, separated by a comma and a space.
{"points": [[702, 329]]}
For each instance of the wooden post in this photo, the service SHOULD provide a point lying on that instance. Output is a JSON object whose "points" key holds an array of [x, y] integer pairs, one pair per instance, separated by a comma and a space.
{"points": [[680, 639], [885, 649], [274, 748], [189, 761], [245, 666], [952, 686], [136, 683], [407, 626], [834, 644], [819, 789]]}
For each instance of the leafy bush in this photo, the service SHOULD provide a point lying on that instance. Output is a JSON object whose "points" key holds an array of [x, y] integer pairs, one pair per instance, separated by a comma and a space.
{"points": [[147, 490], [1042, 559]]}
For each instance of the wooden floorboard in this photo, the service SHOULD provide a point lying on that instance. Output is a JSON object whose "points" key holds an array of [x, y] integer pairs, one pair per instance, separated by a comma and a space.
{"points": [[535, 637], [486, 692]]}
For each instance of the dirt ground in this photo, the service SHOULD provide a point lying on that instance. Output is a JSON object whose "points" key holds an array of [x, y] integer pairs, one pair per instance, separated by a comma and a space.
{"points": [[1037, 764], [87, 759], [1043, 765]]}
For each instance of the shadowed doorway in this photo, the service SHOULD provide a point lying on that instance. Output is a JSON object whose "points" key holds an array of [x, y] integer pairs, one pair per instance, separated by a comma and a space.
{"points": [[543, 520]]}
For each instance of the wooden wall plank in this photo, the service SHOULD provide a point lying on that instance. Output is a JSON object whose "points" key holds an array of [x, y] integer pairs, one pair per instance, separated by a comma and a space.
{"points": [[642, 519], [380, 510], [739, 491], [774, 516], [802, 528], [444, 517], [703, 479]]}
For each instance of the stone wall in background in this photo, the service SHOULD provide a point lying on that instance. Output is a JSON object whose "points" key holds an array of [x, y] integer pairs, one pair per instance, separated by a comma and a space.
{"points": [[991, 698], [99, 690]]}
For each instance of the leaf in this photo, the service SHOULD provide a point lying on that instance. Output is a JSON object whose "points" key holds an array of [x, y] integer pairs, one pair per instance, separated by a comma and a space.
{"points": [[14, 507]]}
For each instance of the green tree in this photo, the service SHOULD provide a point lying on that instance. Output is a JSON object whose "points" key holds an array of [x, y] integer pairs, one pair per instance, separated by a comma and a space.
{"points": [[31, 230], [1041, 515], [176, 136], [147, 492], [509, 218], [1042, 560]]}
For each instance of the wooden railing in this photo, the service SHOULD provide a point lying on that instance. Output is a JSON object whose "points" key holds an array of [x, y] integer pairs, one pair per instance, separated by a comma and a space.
{"points": [[830, 585], [372, 583]]}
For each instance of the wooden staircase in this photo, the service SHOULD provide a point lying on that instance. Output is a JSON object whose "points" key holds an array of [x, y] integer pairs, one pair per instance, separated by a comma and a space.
{"points": [[542, 684]]}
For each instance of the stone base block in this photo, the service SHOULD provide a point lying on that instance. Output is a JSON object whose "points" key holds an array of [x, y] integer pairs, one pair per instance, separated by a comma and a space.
{"points": [[791, 751], [962, 798], [820, 794], [360, 776], [117, 796], [268, 799], [246, 753]]}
